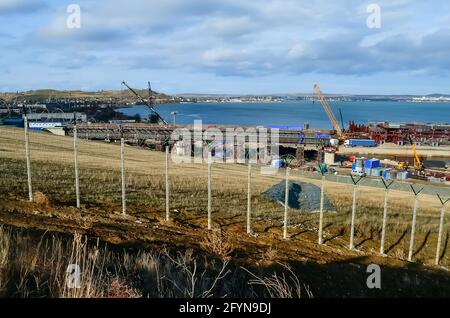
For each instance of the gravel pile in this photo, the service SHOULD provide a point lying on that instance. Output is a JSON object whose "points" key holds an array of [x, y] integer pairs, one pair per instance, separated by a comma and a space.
{"points": [[302, 196]]}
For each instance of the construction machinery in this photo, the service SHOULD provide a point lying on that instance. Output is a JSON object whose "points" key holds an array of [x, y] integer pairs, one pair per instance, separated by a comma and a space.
{"points": [[418, 163], [403, 165], [328, 110], [154, 117]]}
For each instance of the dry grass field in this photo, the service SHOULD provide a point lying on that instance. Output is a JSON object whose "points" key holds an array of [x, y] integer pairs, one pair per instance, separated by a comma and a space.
{"points": [[99, 216]]}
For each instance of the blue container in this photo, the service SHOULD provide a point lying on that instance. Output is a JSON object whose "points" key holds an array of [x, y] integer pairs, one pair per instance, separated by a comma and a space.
{"points": [[360, 143], [277, 163], [372, 163], [13, 121], [353, 166]]}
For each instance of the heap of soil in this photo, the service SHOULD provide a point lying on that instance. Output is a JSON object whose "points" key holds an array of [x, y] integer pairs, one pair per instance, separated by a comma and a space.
{"points": [[302, 196]]}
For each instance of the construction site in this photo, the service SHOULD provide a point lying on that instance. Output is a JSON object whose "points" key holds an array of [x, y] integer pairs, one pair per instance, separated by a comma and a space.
{"points": [[318, 217], [416, 151], [393, 151]]}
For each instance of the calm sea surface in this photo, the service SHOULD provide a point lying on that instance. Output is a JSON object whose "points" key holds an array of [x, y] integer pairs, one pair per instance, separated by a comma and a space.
{"points": [[297, 113]]}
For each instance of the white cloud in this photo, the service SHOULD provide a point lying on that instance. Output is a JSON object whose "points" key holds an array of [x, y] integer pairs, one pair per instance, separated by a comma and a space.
{"points": [[20, 6], [242, 38]]}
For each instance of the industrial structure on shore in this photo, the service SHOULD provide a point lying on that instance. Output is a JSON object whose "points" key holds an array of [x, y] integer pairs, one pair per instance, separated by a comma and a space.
{"points": [[301, 147]]}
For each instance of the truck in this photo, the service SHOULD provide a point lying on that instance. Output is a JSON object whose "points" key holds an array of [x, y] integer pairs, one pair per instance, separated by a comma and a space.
{"points": [[360, 143], [358, 167]]}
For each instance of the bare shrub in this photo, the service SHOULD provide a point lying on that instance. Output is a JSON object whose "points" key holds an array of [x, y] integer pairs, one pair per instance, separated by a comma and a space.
{"points": [[38, 269], [218, 243], [4, 255], [119, 289], [270, 254], [280, 286], [192, 282]]}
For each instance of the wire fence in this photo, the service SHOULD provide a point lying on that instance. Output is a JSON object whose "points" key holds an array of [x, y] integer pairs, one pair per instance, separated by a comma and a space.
{"points": [[117, 178]]}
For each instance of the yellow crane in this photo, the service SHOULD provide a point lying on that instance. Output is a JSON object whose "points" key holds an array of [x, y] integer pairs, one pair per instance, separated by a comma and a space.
{"points": [[418, 164], [328, 110]]}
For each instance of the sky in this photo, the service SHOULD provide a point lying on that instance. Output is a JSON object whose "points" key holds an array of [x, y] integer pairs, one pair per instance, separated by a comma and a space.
{"points": [[227, 46]]}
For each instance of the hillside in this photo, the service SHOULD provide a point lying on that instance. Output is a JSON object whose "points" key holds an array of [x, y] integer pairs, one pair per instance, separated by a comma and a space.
{"points": [[330, 270], [43, 95]]}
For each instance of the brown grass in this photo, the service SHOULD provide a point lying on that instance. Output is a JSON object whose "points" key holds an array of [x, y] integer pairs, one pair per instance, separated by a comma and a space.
{"points": [[35, 264], [52, 166]]}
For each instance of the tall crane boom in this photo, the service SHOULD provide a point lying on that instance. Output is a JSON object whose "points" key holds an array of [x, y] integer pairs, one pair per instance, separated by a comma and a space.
{"points": [[327, 109], [418, 164], [148, 103]]}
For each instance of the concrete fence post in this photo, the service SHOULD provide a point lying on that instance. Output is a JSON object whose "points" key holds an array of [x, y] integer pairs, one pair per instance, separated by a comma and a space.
{"points": [[27, 156], [167, 183], [209, 190], [75, 159], [322, 185], [249, 197], [122, 168], [383, 227], [413, 225], [352, 226], [441, 228], [286, 205]]}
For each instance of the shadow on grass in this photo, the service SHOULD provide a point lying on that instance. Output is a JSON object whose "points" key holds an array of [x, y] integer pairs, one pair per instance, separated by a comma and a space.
{"points": [[364, 241], [341, 233], [397, 242], [424, 242], [445, 248]]}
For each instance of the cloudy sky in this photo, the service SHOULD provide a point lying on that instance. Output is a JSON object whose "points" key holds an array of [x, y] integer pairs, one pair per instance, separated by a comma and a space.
{"points": [[227, 46]]}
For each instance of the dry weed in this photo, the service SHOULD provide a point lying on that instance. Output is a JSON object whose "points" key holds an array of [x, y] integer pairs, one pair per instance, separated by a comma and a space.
{"points": [[280, 286], [218, 243], [119, 289], [270, 254]]}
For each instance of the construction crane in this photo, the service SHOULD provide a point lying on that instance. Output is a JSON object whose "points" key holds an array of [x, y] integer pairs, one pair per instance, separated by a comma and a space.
{"points": [[418, 164], [328, 110], [150, 103]]}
